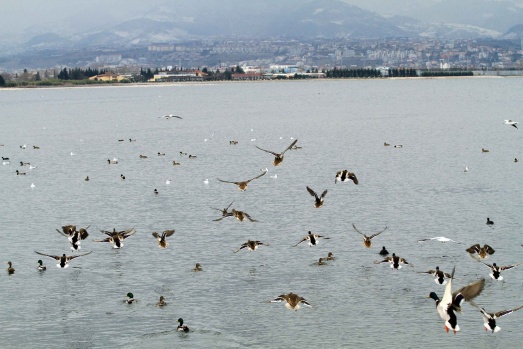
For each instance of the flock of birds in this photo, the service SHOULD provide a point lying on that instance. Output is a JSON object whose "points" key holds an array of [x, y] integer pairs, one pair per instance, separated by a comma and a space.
{"points": [[447, 306]]}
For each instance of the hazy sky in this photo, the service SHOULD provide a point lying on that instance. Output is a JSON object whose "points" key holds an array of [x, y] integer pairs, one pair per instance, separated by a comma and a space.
{"points": [[19, 15]]}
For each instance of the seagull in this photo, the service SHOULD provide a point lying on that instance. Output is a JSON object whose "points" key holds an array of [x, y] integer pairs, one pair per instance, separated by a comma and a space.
{"points": [[278, 157], [242, 185], [274, 176], [452, 301], [32, 185], [292, 301], [63, 259], [72, 154], [312, 238], [208, 139], [206, 181], [168, 182], [490, 318], [367, 239], [440, 239], [511, 123], [318, 200], [466, 169]]}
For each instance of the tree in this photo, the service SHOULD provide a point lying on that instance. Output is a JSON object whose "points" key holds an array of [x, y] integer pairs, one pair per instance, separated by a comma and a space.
{"points": [[37, 76], [2, 81], [239, 70]]}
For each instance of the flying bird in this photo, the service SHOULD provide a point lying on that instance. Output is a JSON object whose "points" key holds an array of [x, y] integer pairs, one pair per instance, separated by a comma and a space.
{"points": [[312, 239], [438, 274], [439, 239], [74, 236], [251, 245], [345, 176], [394, 261], [278, 157], [490, 318], [511, 123], [162, 243], [483, 252], [292, 301], [318, 200], [367, 242], [224, 211], [240, 215], [116, 237], [242, 185], [496, 270], [63, 259], [452, 301]]}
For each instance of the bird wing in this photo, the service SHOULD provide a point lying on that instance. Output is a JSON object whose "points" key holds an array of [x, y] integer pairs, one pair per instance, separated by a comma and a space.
{"points": [[378, 233], [302, 240], [488, 265], [289, 147], [128, 233], [241, 247], [109, 239], [312, 192], [304, 302], [229, 205], [268, 151], [156, 235], [353, 177], [221, 180], [507, 267], [263, 174], [506, 312], [473, 249], [467, 293], [49, 255], [222, 217], [323, 194], [431, 272], [168, 232], [386, 260], [78, 255], [83, 233], [358, 230], [488, 249], [249, 217]]}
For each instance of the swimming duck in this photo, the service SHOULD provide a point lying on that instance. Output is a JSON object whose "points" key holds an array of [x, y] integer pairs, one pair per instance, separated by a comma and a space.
{"points": [[516, 160], [240, 215], [130, 298], [10, 269], [197, 267], [155, 191], [117, 237], [161, 154], [122, 177], [41, 265], [320, 261], [398, 146], [251, 245], [170, 116], [292, 301], [161, 302], [483, 150], [63, 259], [490, 318], [489, 222], [511, 123], [318, 200], [278, 157], [192, 156], [345, 176], [74, 236], [114, 161], [384, 251], [162, 243], [483, 252], [86, 179], [330, 256], [496, 270], [242, 185], [224, 211], [175, 163], [452, 301], [132, 140], [439, 239], [18, 173], [394, 261], [143, 156], [367, 242], [312, 239], [386, 144], [438, 274], [181, 327], [25, 163]]}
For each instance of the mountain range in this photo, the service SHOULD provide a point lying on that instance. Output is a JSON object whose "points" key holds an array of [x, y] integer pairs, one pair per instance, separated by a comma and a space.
{"points": [[172, 22]]}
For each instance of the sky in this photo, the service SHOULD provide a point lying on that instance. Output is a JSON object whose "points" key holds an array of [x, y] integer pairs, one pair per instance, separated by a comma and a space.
{"points": [[21, 15]]}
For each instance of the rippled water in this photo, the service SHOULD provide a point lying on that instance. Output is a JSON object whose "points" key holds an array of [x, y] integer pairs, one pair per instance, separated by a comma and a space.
{"points": [[417, 191]]}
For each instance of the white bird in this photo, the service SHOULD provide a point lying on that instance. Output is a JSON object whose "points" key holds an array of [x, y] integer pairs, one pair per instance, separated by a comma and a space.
{"points": [[511, 123], [274, 176], [31, 167], [5, 162], [253, 139], [168, 182], [440, 239], [466, 169], [72, 154], [32, 185], [206, 181]]}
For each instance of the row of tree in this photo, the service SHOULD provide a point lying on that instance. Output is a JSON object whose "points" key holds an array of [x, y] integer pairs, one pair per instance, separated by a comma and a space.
{"points": [[79, 73]]}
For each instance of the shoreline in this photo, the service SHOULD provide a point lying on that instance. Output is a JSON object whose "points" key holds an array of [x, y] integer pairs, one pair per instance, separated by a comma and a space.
{"points": [[216, 82]]}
